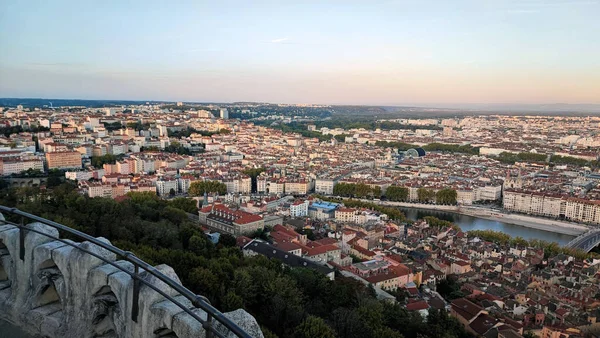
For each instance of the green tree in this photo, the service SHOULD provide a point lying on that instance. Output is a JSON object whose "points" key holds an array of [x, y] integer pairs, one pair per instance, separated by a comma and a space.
{"points": [[227, 240], [344, 189], [446, 196], [313, 327], [362, 190], [185, 204], [396, 193], [231, 302], [376, 191], [425, 195], [99, 161], [198, 188]]}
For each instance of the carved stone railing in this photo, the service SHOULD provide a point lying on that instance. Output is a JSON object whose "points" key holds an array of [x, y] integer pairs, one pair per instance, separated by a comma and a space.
{"points": [[60, 288]]}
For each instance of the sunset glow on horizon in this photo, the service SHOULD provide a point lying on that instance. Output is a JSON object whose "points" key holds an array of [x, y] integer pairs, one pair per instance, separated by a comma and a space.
{"points": [[338, 52]]}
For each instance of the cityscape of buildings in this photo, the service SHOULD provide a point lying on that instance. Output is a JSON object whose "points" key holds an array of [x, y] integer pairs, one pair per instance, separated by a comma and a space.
{"points": [[282, 183]]}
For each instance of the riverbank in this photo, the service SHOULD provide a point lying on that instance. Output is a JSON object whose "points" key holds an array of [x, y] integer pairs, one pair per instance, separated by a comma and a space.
{"points": [[539, 223], [562, 227]]}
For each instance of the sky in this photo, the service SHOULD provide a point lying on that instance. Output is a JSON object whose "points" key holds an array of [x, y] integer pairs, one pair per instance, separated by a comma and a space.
{"points": [[394, 52]]}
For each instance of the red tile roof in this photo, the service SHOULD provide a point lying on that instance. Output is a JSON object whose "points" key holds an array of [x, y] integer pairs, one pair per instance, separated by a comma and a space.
{"points": [[418, 305]]}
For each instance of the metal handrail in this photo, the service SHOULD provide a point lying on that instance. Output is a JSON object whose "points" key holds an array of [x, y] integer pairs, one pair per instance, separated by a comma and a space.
{"points": [[198, 301]]}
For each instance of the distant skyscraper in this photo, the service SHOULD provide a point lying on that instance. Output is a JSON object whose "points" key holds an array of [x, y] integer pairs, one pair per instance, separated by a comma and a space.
{"points": [[179, 104], [224, 113]]}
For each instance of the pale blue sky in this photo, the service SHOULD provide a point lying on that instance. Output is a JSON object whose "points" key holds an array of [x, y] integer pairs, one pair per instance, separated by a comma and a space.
{"points": [[354, 52]]}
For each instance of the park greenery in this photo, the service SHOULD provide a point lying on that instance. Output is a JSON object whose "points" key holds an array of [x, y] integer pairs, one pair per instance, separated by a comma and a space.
{"points": [[198, 188], [138, 125], [99, 161], [452, 148], [176, 148], [287, 302], [187, 132], [401, 146], [341, 137], [511, 158], [440, 147], [295, 127], [558, 159], [112, 126], [7, 131]]}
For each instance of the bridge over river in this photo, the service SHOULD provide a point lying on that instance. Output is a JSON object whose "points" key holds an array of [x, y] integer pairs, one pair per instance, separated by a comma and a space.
{"points": [[586, 241]]}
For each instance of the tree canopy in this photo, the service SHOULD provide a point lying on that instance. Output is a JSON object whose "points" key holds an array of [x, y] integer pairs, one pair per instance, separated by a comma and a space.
{"points": [[198, 188], [396, 193], [446, 196], [287, 302]]}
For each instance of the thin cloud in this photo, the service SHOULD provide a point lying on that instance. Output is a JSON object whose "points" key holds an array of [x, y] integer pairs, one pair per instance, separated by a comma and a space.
{"points": [[280, 40], [54, 64], [522, 11]]}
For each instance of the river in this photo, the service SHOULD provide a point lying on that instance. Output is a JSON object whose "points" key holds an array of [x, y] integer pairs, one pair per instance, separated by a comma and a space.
{"points": [[467, 223]]}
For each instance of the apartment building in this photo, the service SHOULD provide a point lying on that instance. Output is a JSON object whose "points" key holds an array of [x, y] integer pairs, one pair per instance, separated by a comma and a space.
{"points": [[296, 187], [63, 160], [345, 214], [221, 218], [299, 209], [533, 203], [324, 186], [11, 166], [165, 185], [580, 210]]}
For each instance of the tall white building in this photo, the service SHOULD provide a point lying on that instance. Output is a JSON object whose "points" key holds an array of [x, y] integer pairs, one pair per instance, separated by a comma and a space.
{"points": [[299, 209], [224, 113]]}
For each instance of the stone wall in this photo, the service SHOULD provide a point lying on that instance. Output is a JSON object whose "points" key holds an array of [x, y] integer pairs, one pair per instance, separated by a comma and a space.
{"points": [[60, 291]]}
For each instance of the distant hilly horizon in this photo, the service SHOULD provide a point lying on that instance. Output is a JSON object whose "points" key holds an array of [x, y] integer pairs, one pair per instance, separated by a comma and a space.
{"points": [[455, 107]]}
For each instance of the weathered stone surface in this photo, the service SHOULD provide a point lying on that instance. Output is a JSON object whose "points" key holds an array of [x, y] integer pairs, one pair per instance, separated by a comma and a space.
{"points": [[244, 320], [58, 290]]}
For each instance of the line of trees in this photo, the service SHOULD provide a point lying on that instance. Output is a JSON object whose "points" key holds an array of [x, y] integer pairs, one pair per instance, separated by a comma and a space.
{"points": [[425, 195], [397, 194], [444, 196], [442, 147], [452, 148], [511, 158], [401, 146], [558, 159], [7, 131], [198, 188], [359, 190]]}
